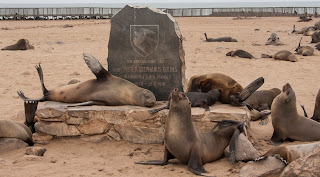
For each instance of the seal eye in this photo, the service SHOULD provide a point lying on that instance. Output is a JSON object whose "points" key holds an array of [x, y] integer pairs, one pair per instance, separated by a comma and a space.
{"points": [[147, 96]]}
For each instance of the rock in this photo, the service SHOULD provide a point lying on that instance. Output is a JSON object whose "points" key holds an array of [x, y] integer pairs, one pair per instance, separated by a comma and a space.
{"points": [[244, 149], [74, 121], [57, 129], [114, 134], [37, 151], [142, 135], [41, 138], [304, 166], [8, 144], [96, 138], [270, 166], [94, 126], [50, 112], [147, 50], [28, 158]]}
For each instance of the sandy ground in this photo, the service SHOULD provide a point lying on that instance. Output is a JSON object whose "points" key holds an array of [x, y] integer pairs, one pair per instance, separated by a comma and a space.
{"points": [[63, 62]]}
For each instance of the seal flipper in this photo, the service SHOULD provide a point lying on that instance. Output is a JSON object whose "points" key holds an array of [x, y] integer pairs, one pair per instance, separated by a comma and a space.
{"points": [[252, 87], [204, 106], [167, 157], [304, 111], [30, 108], [195, 163], [96, 67], [232, 146], [276, 139]]}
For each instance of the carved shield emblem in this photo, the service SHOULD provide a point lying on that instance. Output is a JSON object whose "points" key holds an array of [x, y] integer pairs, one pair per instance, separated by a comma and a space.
{"points": [[144, 38]]}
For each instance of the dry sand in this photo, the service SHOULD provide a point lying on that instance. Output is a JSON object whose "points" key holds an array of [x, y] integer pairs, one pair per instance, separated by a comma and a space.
{"points": [[63, 62]]}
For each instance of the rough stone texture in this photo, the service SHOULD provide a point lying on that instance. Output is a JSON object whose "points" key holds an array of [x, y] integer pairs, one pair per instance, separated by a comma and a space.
{"points": [[74, 121], [305, 166], [8, 144], [244, 149], [145, 47], [41, 138], [50, 112], [96, 139], [57, 129], [114, 134], [37, 151], [141, 134], [268, 167], [95, 126]]}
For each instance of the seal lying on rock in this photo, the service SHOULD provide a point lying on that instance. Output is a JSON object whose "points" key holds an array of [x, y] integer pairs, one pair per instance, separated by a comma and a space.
{"points": [[231, 91], [240, 53], [262, 99], [22, 44], [274, 40], [304, 50], [282, 55], [184, 142], [286, 121], [220, 39], [106, 89]]}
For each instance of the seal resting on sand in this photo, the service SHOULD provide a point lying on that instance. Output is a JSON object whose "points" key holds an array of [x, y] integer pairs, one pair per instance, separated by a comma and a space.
{"points": [[282, 55], [304, 50], [315, 37], [286, 121], [240, 53], [274, 40], [231, 91], [220, 39], [184, 142], [106, 89], [22, 44]]}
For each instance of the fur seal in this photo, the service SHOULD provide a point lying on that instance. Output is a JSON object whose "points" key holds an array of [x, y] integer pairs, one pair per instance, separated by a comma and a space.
{"points": [[317, 46], [22, 44], [256, 115], [286, 121], [231, 91], [262, 99], [304, 50], [220, 39], [106, 89], [316, 112], [10, 129], [197, 99], [304, 19], [282, 55], [184, 142], [274, 40], [290, 153], [315, 37], [240, 53]]}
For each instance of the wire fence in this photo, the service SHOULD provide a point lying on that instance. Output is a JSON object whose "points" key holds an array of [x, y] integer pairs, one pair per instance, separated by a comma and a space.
{"points": [[98, 12]]}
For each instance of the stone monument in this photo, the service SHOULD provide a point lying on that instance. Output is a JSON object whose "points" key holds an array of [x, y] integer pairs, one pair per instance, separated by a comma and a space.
{"points": [[145, 47]]}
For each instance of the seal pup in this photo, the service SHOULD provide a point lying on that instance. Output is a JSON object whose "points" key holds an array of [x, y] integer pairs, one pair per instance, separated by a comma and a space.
{"points": [[240, 53], [304, 50], [22, 44], [106, 89], [231, 91], [274, 40], [282, 55], [262, 99], [220, 39], [286, 121], [197, 99], [256, 115], [315, 37], [184, 142]]}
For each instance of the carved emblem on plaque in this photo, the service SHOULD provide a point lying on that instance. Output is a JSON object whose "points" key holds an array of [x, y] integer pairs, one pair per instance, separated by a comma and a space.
{"points": [[144, 38]]}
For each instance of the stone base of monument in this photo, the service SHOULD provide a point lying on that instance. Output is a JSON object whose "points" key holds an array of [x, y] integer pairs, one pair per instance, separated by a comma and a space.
{"points": [[130, 123]]}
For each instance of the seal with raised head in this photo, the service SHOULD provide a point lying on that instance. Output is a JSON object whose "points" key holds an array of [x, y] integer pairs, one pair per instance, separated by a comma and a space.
{"points": [[240, 53], [231, 91], [22, 44], [282, 55], [274, 40], [184, 142], [106, 89], [220, 39], [304, 50], [262, 99], [286, 121]]}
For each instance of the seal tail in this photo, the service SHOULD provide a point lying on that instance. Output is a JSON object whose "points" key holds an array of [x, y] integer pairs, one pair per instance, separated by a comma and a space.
{"points": [[266, 56], [252, 87], [30, 108]]}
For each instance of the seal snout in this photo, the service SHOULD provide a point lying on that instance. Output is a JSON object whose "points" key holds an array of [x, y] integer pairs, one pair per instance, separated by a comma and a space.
{"points": [[150, 99], [286, 88]]}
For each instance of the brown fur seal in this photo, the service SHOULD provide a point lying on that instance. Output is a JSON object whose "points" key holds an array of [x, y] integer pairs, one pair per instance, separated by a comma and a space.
{"points": [[290, 153], [231, 91], [315, 37], [184, 142], [240, 53], [304, 19], [304, 50], [262, 99], [286, 121], [316, 112], [220, 39], [106, 89], [317, 46], [22, 44], [282, 55], [10, 129], [256, 115], [274, 40]]}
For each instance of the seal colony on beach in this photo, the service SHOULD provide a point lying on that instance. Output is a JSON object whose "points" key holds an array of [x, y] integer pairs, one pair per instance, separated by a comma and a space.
{"points": [[106, 89]]}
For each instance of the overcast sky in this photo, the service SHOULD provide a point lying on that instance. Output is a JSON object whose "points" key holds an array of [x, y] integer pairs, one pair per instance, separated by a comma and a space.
{"points": [[140, 1]]}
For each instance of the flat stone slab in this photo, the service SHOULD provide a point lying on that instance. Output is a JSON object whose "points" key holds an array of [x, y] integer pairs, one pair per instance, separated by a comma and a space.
{"points": [[131, 123]]}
